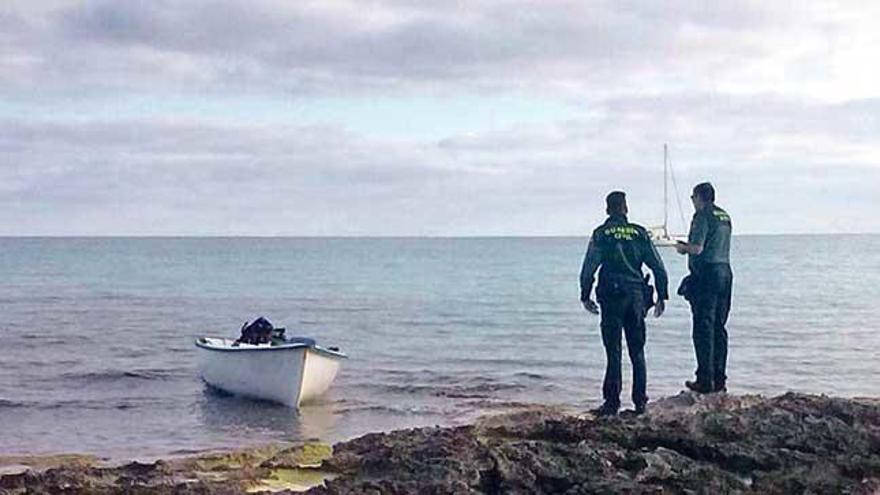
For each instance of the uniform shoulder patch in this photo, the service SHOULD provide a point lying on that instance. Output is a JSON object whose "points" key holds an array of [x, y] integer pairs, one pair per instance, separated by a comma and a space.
{"points": [[721, 215]]}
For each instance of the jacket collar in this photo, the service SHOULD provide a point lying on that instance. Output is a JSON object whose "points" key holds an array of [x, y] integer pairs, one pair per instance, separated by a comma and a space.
{"points": [[616, 219]]}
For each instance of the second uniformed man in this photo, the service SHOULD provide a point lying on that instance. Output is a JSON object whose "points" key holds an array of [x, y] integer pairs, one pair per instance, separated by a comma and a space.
{"points": [[709, 288], [620, 248]]}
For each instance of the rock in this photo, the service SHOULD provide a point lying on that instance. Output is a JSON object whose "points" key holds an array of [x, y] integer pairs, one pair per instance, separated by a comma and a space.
{"points": [[303, 456], [689, 443]]}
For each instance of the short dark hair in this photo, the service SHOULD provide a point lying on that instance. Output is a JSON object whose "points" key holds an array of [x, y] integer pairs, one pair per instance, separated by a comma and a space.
{"points": [[705, 191], [615, 202]]}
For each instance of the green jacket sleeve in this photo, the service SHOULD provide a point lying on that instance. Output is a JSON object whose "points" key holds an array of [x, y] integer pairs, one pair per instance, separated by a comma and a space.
{"points": [[699, 229], [655, 263], [592, 260]]}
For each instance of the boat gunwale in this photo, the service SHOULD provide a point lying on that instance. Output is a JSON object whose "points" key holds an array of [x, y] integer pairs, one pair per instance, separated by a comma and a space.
{"points": [[282, 347]]}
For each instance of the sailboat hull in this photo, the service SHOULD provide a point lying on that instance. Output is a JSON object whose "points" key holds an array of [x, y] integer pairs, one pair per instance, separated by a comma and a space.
{"points": [[660, 238], [667, 241]]}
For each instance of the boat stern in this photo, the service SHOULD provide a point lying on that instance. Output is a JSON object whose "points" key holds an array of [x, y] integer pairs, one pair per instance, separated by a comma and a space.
{"points": [[319, 370]]}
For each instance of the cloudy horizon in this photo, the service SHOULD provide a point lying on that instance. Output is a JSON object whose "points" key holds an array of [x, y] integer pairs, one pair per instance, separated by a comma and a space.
{"points": [[394, 117]]}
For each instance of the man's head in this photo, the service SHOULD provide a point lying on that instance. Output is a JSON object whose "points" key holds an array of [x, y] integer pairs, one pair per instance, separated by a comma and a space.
{"points": [[704, 194], [615, 203]]}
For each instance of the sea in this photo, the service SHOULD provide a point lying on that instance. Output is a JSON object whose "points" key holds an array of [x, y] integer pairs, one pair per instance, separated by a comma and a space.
{"points": [[97, 335]]}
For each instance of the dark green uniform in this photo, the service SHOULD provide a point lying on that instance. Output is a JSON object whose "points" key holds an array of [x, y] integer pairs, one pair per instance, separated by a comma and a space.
{"points": [[712, 282], [620, 248]]}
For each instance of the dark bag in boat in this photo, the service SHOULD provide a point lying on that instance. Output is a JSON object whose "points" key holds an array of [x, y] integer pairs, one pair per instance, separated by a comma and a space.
{"points": [[257, 332], [278, 336]]}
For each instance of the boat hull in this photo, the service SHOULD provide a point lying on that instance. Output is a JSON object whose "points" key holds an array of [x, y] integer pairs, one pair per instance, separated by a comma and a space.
{"points": [[668, 241], [287, 374], [661, 238]]}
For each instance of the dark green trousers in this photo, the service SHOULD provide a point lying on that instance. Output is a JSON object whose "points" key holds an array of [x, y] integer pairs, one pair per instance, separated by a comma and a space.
{"points": [[624, 313], [710, 306]]}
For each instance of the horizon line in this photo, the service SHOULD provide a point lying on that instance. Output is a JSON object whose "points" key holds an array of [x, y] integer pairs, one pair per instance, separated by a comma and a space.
{"points": [[374, 236]]}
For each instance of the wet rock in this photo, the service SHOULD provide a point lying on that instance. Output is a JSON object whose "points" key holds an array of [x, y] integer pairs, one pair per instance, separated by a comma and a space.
{"points": [[303, 456], [689, 443]]}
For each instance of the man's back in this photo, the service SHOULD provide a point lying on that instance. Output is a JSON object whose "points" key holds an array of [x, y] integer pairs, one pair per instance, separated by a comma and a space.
{"points": [[620, 248]]}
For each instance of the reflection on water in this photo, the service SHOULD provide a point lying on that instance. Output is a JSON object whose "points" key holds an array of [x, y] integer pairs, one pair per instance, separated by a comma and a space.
{"points": [[227, 414]]}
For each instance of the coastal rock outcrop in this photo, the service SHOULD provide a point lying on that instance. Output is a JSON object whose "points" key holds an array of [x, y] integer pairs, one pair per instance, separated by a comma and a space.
{"points": [[716, 443], [687, 444]]}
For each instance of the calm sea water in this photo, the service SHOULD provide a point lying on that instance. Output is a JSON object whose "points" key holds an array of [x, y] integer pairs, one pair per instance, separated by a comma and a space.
{"points": [[97, 355]]}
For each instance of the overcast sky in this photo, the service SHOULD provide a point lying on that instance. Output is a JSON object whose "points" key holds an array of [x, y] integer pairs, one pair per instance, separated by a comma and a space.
{"points": [[262, 117]]}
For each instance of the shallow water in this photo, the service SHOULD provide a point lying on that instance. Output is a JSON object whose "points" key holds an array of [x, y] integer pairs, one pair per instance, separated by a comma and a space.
{"points": [[98, 356]]}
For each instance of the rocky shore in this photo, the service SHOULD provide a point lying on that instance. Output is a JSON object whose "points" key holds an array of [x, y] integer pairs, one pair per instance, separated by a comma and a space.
{"points": [[686, 444]]}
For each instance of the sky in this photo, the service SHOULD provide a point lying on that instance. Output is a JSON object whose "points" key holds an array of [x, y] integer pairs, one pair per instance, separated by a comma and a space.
{"points": [[419, 118]]}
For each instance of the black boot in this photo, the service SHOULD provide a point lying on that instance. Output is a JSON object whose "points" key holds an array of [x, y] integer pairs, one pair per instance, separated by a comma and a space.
{"points": [[720, 386], [641, 408], [606, 410], [698, 387]]}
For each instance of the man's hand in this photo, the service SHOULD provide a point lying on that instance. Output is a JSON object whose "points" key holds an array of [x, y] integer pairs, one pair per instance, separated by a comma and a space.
{"points": [[590, 306], [659, 308], [685, 248]]}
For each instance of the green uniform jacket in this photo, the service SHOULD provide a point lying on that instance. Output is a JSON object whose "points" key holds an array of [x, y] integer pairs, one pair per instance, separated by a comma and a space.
{"points": [[711, 228], [621, 248]]}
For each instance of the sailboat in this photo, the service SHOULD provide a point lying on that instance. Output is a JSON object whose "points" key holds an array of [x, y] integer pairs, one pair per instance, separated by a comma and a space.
{"points": [[659, 234]]}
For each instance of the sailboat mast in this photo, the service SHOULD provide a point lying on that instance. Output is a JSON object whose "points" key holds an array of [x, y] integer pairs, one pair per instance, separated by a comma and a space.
{"points": [[665, 193]]}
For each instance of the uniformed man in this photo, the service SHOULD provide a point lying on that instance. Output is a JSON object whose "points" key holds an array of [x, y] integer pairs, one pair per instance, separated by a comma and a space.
{"points": [[708, 288], [620, 248]]}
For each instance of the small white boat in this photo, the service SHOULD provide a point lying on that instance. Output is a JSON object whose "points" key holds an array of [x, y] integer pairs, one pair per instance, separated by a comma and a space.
{"points": [[659, 234], [291, 373], [661, 237]]}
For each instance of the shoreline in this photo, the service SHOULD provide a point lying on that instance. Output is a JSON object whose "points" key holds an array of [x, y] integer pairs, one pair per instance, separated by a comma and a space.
{"points": [[718, 442], [112, 459]]}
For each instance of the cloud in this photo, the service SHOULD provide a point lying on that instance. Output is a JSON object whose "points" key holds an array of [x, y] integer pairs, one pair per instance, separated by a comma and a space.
{"points": [[98, 177], [777, 105], [212, 177], [560, 46]]}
